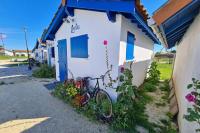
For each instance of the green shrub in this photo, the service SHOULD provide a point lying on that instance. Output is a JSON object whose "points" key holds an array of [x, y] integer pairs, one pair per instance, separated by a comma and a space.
{"points": [[149, 87], [129, 109], [153, 73], [44, 72], [165, 86]]}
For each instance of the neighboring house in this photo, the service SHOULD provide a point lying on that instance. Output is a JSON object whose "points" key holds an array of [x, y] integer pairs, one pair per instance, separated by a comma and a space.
{"points": [[21, 53], [40, 51], [178, 24], [81, 29], [2, 50], [50, 53], [8, 52]]}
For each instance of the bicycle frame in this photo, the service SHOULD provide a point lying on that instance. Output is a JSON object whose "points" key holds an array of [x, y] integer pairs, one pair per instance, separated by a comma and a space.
{"points": [[96, 88]]}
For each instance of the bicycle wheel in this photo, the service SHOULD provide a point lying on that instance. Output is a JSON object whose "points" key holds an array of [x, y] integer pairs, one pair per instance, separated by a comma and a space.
{"points": [[86, 98], [104, 104]]}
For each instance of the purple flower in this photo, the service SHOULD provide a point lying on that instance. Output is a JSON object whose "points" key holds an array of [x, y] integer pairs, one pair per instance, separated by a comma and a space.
{"points": [[190, 97]]}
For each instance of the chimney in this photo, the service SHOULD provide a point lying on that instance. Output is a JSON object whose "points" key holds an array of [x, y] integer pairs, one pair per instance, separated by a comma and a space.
{"points": [[63, 2]]}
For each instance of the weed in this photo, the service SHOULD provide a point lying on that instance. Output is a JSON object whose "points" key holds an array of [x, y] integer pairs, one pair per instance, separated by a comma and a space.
{"points": [[44, 72], [149, 87], [161, 104]]}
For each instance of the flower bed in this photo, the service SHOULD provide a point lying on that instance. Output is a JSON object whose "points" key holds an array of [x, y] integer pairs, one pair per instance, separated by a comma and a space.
{"points": [[128, 111]]}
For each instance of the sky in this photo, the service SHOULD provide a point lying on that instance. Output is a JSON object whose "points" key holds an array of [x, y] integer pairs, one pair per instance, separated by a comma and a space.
{"points": [[36, 15]]}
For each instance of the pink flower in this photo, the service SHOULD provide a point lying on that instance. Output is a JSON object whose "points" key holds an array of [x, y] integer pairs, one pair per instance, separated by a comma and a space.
{"points": [[190, 97], [122, 69], [105, 42]]}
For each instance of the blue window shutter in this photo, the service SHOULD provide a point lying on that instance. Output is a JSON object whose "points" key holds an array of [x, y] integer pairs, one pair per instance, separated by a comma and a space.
{"points": [[79, 46], [52, 52], [130, 46]]}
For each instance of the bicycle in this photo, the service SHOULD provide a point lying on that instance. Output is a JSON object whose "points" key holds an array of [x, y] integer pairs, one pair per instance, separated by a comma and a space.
{"points": [[102, 98]]}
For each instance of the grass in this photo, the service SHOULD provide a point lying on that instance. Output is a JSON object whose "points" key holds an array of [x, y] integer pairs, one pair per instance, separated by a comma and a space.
{"points": [[11, 57], [165, 70], [164, 60]]}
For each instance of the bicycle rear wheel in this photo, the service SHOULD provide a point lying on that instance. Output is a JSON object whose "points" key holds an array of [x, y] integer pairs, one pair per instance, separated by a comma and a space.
{"points": [[86, 98], [104, 104]]}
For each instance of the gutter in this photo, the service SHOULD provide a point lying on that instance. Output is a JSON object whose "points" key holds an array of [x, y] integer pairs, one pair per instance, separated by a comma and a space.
{"points": [[159, 35]]}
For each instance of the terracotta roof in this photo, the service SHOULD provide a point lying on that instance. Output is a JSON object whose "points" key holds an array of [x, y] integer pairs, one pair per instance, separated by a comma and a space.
{"points": [[142, 10], [169, 9]]}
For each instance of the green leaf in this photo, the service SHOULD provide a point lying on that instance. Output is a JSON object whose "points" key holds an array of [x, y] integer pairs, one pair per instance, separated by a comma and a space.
{"points": [[193, 79], [190, 86]]}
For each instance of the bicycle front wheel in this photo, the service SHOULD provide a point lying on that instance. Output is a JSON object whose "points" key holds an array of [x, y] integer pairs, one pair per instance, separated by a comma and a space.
{"points": [[104, 104]]}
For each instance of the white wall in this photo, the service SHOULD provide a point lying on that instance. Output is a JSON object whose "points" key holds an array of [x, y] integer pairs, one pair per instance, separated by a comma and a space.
{"points": [[42, 54], [98, 28], [9, 53], [143, 50], [21, 54], [187, 66]]}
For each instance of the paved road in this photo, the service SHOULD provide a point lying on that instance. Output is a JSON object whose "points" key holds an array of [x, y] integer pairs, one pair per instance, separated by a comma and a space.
{"points": [[14, 71], [27, 106]]}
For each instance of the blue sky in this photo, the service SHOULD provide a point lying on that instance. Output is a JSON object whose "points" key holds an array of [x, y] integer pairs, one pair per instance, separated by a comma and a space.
{"points": [[36, 15]]}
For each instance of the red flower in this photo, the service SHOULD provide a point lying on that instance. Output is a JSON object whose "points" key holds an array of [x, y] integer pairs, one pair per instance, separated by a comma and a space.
{"points": [[190, 97], [78, 85]]}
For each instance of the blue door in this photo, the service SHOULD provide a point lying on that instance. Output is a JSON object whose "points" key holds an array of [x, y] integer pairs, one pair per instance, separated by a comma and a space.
{"points": [[62, 59]]}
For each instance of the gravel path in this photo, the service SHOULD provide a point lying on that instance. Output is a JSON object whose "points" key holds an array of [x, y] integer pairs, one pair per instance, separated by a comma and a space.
{"points": [[28, 107]]}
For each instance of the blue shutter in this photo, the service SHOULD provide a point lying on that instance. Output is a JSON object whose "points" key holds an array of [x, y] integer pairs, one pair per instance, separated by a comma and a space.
{"points": [[79, 46], [130, 46], [52, 52]]}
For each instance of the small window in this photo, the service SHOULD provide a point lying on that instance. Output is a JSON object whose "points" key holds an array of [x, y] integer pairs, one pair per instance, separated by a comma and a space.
{"points": [[52, 52], [79, 46], [130, 46]]}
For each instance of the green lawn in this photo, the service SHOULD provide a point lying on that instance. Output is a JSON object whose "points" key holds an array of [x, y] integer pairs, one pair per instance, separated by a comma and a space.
{"points": [[165, 70], [11, 57]]}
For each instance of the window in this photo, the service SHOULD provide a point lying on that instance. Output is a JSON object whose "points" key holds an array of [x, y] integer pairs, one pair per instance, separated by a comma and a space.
{"points": [[79, 46], [130, 46], [52, 52]]}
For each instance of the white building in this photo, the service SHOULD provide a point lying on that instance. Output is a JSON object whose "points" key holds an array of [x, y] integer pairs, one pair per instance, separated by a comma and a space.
{"points": [[84, 29], [181, 28], [50, 53], [40, 52], [8, 52], [21, 53]]}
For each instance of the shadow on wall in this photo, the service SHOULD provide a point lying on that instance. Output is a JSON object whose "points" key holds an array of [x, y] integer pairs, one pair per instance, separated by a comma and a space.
{"points": [[139, 70]]}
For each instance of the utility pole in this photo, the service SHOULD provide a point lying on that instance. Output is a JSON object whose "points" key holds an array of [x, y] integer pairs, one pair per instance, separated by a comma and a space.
{"points": [[25, 35], [2, 37]]}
